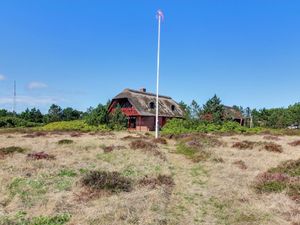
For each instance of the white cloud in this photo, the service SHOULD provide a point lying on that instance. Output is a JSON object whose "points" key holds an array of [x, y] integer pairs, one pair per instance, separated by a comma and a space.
{"points": [[2, 77], [36, 85], [31, 101]]}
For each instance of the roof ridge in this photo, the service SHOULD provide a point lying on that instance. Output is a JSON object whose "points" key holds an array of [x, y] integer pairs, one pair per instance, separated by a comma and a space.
{"points": [[146, 93]]}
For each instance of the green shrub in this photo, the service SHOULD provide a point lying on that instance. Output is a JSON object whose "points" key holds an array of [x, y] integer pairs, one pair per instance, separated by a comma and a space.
{"points": [[67, 173], [65, 142], [271, 186], [11, 150], [291, 168], [75, 125], [179, 126], [284, 177], [12, 122]]}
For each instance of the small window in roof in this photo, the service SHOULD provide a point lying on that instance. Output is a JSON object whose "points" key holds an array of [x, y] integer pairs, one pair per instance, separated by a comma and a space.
{"points": [[173, 107], [152, 105]]}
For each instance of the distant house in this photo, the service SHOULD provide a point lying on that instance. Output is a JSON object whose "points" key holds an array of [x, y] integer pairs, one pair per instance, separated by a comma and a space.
{"points": [[230, 113], [233, 114], [139, 107]]}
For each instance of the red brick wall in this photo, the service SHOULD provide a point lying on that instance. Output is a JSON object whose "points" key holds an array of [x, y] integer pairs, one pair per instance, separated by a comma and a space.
{"points": [[148, 123]]}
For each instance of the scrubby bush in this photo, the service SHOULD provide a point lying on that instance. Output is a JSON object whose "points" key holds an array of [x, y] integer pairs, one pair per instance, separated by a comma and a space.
{"points": [[179, 126], [97, 116], [40, 155], [12, 122], [76, 125], [110, 181], [11, 150], [117, 120], [157, 181], [284, 177], [65, 142]]}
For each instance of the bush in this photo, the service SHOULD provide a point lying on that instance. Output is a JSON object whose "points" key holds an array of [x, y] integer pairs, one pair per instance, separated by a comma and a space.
{"points": [[75, 125], [273, 147], [158, 181], [142, 144], [12, 122], [11, 150], [117, 119], [244, 145], [40, 155], [284, 177], [179, 126], [290, 167], [65, 142], [110, 181], [295, 143], [97, 116]]}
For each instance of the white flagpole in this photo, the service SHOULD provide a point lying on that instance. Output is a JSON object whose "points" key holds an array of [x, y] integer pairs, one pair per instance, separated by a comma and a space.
{"points": [[159, 15]]}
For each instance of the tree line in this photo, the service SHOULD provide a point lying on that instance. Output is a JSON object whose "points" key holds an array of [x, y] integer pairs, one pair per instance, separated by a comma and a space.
{"points": [[212, 111], [92, 116]]}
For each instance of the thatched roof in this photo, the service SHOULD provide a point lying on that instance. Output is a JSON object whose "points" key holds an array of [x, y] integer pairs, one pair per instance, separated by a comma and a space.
{"points": [[232, 113], [141, 101]]}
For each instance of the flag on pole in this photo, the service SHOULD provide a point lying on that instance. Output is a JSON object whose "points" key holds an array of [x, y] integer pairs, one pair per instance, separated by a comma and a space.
{"points": [[160, 14], [160, 17]]}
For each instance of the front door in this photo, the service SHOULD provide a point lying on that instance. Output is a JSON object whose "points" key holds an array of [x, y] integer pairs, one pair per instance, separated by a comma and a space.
{"points": [[132, 123]]}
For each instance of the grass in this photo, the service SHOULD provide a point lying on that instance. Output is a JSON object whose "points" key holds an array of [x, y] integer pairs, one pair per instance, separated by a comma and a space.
{"points": [[143, 188], [20, 219], [110, 181], [195, 153], [29, 190], [67, 173]]}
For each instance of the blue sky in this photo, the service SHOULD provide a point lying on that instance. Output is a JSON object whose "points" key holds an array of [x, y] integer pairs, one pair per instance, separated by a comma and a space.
{"points": [[81, 53]]}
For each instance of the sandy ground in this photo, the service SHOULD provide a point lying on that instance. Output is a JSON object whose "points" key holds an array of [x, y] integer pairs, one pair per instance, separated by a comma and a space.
{"points": [[210, 192]]}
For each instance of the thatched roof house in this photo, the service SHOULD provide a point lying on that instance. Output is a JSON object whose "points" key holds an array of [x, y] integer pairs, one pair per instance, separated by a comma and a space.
{"points": [[139, 107]]}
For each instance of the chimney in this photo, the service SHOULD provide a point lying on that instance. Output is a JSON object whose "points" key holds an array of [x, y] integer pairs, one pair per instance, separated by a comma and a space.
{"points": [[143, 90]]}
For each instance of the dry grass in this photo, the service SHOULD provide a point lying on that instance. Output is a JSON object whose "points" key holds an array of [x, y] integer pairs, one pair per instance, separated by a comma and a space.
{"points": [[199, 185], [271, 138]]}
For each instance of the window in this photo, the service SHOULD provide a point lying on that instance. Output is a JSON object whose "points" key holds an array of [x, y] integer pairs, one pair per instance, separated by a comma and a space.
{"points": [[173, 107], [152, 105]]}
